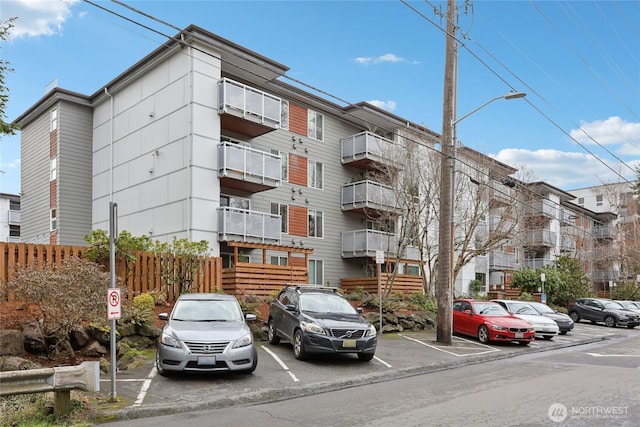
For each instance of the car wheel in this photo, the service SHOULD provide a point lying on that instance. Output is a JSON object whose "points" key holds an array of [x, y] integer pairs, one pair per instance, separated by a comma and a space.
{"points": [[161, 372], [273, 337], [483, 334], [255, 362], [610, 321], [547, 337], [365, 357], [631, 326], [574, 316], [563, 332], [298, 345], [524, 342]]}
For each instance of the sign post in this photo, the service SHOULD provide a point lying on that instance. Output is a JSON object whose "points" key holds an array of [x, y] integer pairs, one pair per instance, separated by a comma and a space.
{"points": [[543, 296], [114, 294], [379, 262]]}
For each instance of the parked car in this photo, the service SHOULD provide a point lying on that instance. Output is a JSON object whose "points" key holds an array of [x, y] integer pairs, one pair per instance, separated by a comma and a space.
{"points": [[544, 327], [206, 332], [630, 305], [605, 311], [317, 319], [563, 320], [489, 321]]}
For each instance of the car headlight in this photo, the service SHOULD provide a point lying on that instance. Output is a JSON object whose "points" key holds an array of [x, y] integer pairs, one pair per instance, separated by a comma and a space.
{"points": [[313, 328], [532, 329], [244, 341], [372, 331], [169, 341], [498, 327]]}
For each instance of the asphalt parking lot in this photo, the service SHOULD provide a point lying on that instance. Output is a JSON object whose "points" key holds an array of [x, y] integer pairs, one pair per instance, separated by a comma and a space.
{"points": [[279, 375]]}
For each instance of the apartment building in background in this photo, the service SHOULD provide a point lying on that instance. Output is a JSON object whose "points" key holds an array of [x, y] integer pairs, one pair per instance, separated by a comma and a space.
{"points": [[10, 218], [203, 139]]}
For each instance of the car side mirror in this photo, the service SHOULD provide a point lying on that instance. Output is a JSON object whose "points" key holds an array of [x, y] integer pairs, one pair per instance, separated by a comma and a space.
{"points": [[290, 307], [359, 310], [163, 316], [250, 317], [467, 311]]}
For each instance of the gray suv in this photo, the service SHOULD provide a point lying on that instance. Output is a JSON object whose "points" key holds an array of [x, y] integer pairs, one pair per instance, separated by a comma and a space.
{"points": [[609, 312]]}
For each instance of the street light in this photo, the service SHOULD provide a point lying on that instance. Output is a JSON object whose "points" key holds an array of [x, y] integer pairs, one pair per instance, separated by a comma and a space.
{"points": [[444, 318]]}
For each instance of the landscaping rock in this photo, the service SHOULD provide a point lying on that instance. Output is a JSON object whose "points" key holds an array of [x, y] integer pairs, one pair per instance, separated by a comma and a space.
{"points": [[34, 342], [14, 363], [11, 343]]}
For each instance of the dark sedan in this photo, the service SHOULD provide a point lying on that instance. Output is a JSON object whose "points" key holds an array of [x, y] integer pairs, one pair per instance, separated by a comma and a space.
{"points": [[565, 323], [320, 320]]}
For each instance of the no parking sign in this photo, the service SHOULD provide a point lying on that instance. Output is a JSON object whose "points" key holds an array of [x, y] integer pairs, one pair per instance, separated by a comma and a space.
{"points": [[113, 304]]}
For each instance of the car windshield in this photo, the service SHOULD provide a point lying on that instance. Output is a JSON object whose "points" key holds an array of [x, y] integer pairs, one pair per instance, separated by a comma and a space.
{"points": [[325, 303], [612, 305], [522, 308], [210, 310], [541, 308], [489, 309], [630, 305]]}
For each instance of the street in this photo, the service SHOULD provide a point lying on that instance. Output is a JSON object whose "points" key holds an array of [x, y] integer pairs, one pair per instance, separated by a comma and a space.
{"points": [[592, 384]]}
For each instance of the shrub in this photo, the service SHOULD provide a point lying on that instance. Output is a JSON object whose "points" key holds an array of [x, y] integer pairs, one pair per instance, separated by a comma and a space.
{"points": [[143, 309]]}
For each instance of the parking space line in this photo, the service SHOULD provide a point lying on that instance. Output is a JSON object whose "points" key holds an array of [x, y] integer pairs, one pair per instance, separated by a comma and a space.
{"points": [[489, 349], [382, 361], [281, 363], [145, 387]]}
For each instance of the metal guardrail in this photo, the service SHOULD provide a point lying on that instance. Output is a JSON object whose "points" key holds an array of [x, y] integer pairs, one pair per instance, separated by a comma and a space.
{"points": [[59, 380]]}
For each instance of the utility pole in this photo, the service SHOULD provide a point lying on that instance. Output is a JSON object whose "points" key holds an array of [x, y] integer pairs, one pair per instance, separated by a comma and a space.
{"points": [[444, 291]]}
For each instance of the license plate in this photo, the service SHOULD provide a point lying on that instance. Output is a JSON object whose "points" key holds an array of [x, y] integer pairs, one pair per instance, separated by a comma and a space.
{"points": [[206, 360], [519, 334], [349, 343]]}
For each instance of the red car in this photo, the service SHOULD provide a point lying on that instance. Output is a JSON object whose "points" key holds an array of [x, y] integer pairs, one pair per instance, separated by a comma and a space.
{"points": [[489, 321]]}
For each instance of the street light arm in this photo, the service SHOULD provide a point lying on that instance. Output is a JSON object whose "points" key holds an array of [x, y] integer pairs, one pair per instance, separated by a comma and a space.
{"points": [[512, 95]]}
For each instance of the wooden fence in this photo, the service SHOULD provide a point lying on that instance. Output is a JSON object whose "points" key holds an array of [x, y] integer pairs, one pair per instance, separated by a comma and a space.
{"points": [[148, 273], [403, 283]]}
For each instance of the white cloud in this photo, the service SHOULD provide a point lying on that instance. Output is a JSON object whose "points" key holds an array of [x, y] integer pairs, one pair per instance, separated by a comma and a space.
{"points": [[36, 17], [611, 131], [385, 105], [565, 170], [14, 164], [387, 57]]}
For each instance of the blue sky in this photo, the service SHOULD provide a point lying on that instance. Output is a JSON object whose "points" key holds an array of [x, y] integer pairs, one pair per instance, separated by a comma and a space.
{"points": [[578, 61]]}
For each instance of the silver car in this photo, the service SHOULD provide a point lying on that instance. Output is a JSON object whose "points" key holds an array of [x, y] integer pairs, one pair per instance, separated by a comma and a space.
{"points": [[206, 333]]}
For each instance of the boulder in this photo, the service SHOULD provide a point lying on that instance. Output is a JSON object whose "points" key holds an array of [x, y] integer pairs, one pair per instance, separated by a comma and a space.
{"points": [[14, 363], [95, 349], [79, 338], [11, 343], [34, 341]]}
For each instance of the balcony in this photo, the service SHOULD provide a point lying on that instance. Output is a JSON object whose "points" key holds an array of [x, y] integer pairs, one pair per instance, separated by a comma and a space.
{"points": [[368, 151], [247, 169], [604, 231], [247, 110], [567, 243], [542, 207], [535, 263], [540, 238], [502, 261], [248, 226], [500, 194], [365, 243], [14, 217], [369, 198]]}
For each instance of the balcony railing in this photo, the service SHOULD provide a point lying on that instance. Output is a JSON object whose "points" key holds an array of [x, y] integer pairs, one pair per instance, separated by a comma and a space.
{"points": [[14, 217], [365, 243], [368, 194], [502, 260], [365, 148], [248, 226], [249, 165], [536, 262], [544, 238], [542, 207], [603, 231], [567, 243], [501, 194], [250, 104]]}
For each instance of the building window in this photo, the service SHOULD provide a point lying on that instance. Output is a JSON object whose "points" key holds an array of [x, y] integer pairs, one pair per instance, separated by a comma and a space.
{"points": [[316, 273], [384, 225], [581, 201], [316, 178], [283, 211], [53, 120], [53, 169], [53, 220], [279, 260], [599, 200], [284, 163], [315, 125], [235, 202], [284, 115], [14, 205], [14, 231], [315, 223]]}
